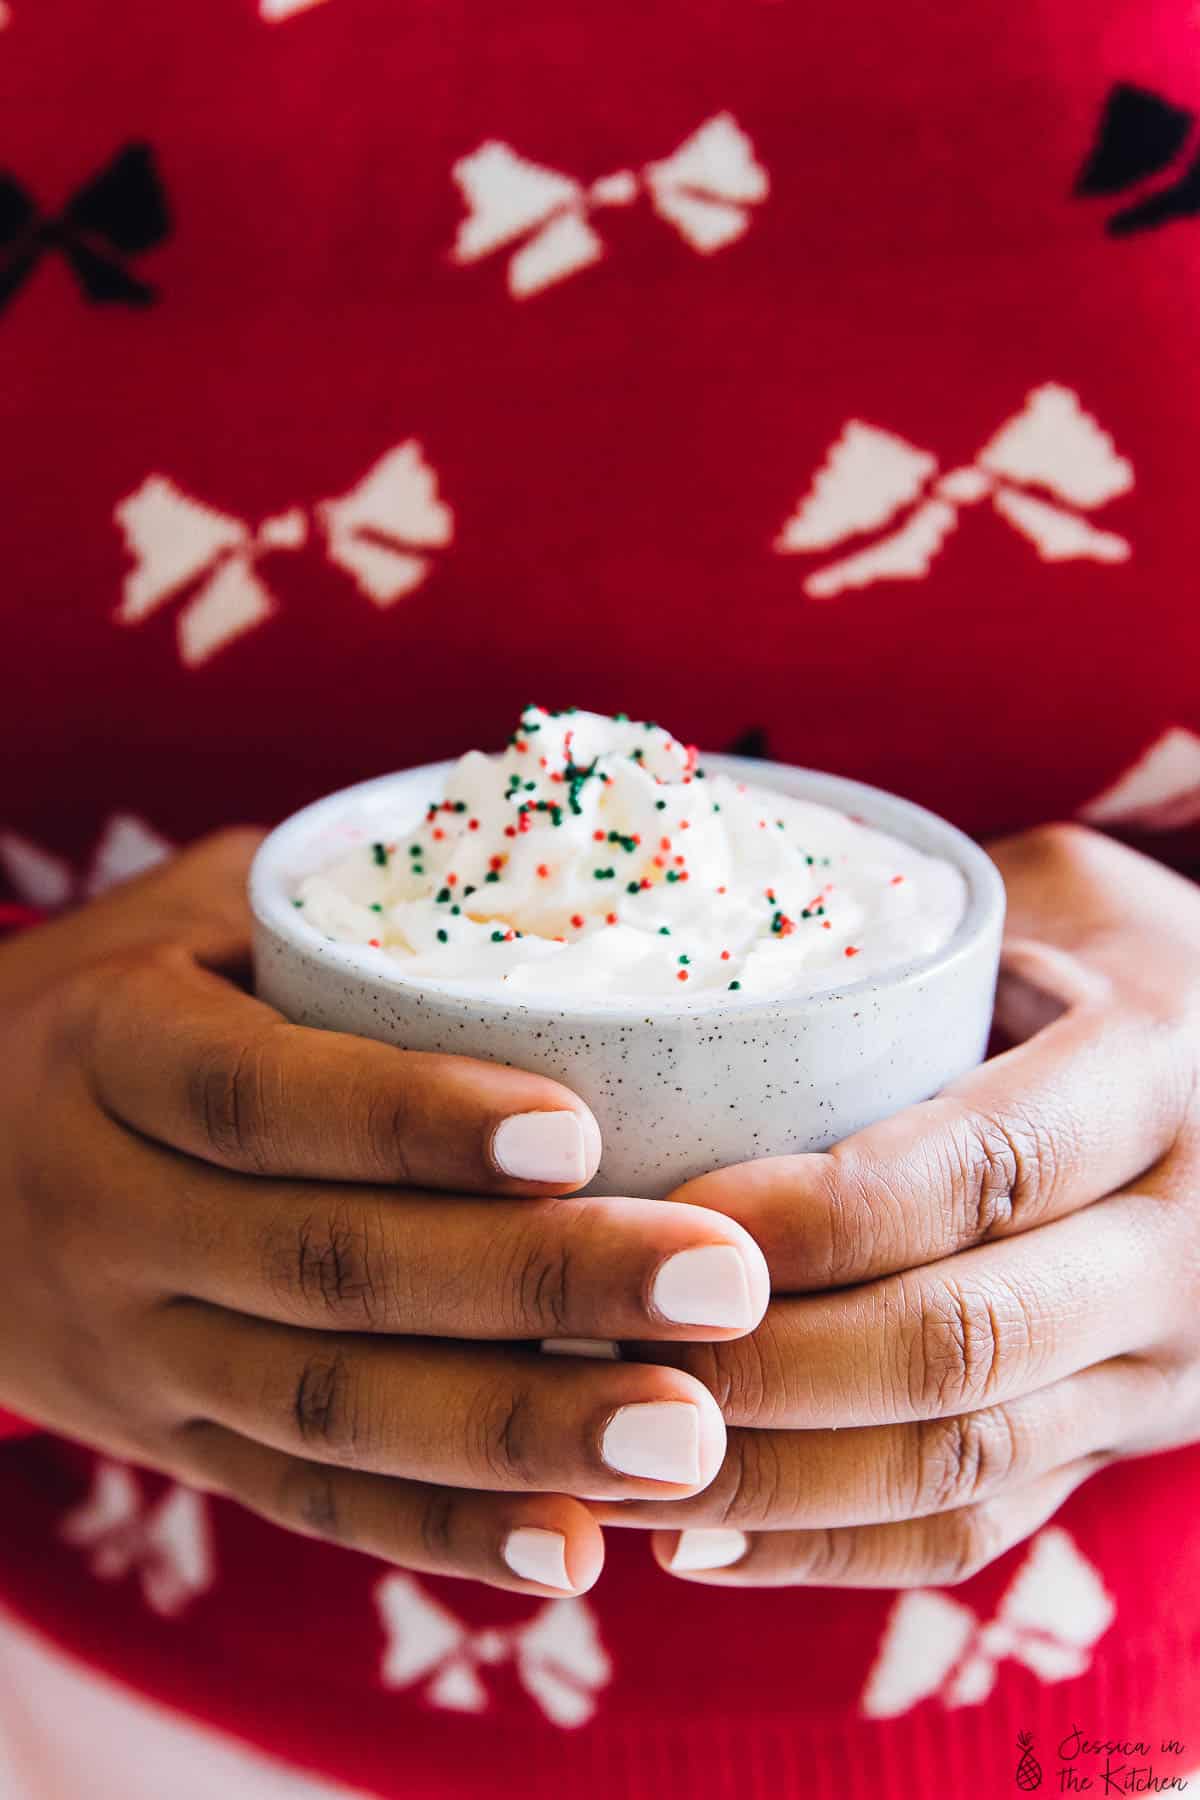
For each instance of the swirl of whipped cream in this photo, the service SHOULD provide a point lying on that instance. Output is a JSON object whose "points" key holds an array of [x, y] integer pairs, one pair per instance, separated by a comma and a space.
{"points": [[596, 860]]}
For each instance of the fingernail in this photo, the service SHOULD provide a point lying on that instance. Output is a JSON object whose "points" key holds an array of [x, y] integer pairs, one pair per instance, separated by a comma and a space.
{"points": [[714, 1549], [537, 1555], [597, 1347], [540, 1146], [707, 1286], [658, 1439]]}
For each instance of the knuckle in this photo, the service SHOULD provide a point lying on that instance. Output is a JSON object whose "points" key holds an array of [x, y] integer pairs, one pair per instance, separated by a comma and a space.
{"points": [[754, 1483], [966, 1542], [1003, 1173], [437, 1521], [961, 1458], [310, 1499], [830, 1554], [331, 1264], [540, 1286], [325, 1407], [954, 1352], [229, 1100], [502, 1438], [744, 1376]]}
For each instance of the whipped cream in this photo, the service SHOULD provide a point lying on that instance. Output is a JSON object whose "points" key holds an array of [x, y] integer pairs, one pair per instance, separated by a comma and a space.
{"points": [[596, 860]]}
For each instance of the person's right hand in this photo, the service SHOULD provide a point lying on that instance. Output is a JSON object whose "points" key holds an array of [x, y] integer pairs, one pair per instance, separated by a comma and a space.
{"points": [[247, 1254]]}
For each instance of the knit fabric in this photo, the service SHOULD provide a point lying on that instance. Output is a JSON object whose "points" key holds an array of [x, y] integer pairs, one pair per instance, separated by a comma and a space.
{"points": [[820, 381]]}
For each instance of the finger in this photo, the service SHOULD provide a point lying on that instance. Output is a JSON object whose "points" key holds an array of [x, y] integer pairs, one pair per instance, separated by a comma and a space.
{"points": [[540, 1544], [190, 1061], [986, 1326], [1040, 1132], [196, 900], [449, 1414], [938, 1551], [342, 1258], [877, 1474]]}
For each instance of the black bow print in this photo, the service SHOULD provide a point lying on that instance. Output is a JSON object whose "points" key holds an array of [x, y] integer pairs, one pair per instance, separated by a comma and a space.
{"points": [[117, 214], [1141, 135]]}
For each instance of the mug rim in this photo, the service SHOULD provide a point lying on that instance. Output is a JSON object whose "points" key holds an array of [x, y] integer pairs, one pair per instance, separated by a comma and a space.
{"points": [[274, 865]]}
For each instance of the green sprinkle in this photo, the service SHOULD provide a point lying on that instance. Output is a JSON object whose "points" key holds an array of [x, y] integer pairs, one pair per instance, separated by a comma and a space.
{"points": [[443, 937], [414, 849], [603, 874], [636, 754], [697, 774], [716, 806], [379, 852], [492, 875], [443, 896], [375, 906], [633, 887], [621, 718], [661, 805], [297, 903], [454, 911], [531, 787], [685, 959], [497, 937], [672, 874], [735, 984], [417, 869], [810, 860], [467, 890], [664, 931]]}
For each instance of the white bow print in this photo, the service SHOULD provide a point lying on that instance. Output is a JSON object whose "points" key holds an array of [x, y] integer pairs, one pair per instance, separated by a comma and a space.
{"points": [[169, 1543], [871, 476], [1052, 1613], [557, 1653], [377, 533], [703, 190]]}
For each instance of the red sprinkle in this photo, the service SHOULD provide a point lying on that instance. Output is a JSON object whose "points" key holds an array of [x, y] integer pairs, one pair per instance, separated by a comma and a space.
{"points": [[496, 862], [660, 862], [685, 824], [896, 880], [610, 918], [452, 880], [599, 836], [520, 748], [683, 875], [853, 949], [682, 975], [679, 861], [664, 843], [825, 925], [786, 926], [543, 870], [374, 943], [577, 921], [720, 890], [510, 831], [724, 956], [524, 821], [644, 883], [472, 824], [438, 832]]}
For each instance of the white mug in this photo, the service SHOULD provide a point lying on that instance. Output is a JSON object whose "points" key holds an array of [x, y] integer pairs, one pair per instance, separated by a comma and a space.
{"points": [[676, 1088]]}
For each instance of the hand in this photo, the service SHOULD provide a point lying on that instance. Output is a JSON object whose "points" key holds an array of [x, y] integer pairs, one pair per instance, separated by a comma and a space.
{"points": [[222, 1255], [1002, 1285]]}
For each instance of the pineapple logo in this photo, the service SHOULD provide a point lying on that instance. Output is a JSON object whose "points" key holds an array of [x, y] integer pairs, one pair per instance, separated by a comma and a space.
{"points": [[1029, 1769]]}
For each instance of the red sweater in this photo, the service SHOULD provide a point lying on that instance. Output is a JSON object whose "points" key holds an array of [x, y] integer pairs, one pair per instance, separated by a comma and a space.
{"points": [[818, 380]]}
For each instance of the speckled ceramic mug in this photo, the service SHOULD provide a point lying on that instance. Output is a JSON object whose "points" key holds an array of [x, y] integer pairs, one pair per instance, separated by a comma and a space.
{"points": [[677, 1089]]}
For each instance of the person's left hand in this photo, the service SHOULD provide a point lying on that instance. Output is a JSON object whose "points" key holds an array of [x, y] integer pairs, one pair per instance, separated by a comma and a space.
{"points": [[984, 1300]]}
